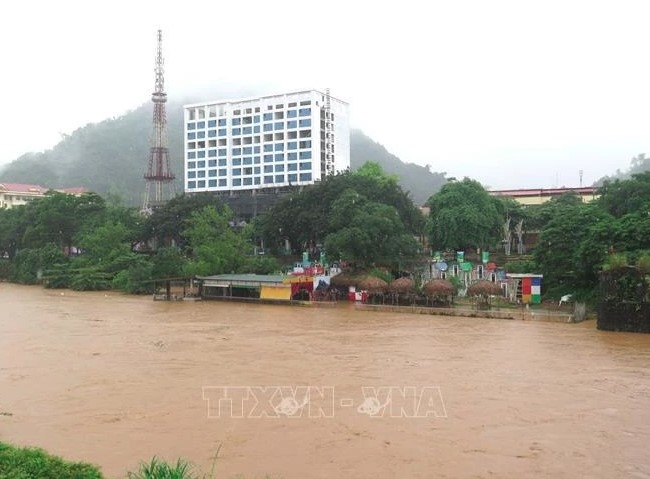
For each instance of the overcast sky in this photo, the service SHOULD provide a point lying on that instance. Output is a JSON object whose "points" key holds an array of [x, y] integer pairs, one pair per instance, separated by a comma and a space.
{"points": [[511, 93]]}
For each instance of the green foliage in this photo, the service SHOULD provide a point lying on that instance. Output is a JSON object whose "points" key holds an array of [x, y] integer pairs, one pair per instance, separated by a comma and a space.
{"points": [[31, 264], [615, 261], [168, 263], [622, 197], [215, 247], [261, 265], [381, 273], [32, 463], [307, 218], [91, 279], [521, 267], [464, 216], [158, 469]]}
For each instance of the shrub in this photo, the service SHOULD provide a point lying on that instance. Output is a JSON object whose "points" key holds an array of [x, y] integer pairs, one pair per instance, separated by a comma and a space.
{"points": [[28, 463], [157, 469]]}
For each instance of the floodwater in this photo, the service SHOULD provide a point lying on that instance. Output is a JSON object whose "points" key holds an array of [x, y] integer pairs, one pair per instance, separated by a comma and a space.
{"points": [[113, 380]]}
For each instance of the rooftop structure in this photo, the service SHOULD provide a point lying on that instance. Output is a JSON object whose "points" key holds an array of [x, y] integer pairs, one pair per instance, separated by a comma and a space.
{"points": [[538, 196]]}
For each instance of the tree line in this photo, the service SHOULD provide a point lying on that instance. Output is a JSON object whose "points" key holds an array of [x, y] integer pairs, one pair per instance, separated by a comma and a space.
{"points": [[363, 218]]}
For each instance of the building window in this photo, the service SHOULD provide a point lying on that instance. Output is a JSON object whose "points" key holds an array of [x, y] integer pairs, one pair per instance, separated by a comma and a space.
{"points": [[191, 155], [279, 125], [279, 115], [268, 168], [236, 151], [248, 181], [268, 180], [268, 147], [305, 176], [304, 112], [212, 183], [191, 164], [223, 161], [305, 123], [191, 184], [256, 170], [247, 130], [305, 166], [212, 153], [200, 184], [256, 149], [292, 167], [292, 114], [236, 121], [200, 164], [292, 178], [292, 124], [191, 174], [279, 147], [223, 182], [223, 151], [292, 145], [279, 178], [256, 180], [223, 172], [279, 168], [236, 181], [191, 126], [279, 157], [248, 171], [248, 160], [200, 154], [236, 131], [222, 122], [222, 132], [212, 173], [201, 173], [200, 125], [212, 124], [268, 116], [191, 136], [268, 158], [305, 155]]}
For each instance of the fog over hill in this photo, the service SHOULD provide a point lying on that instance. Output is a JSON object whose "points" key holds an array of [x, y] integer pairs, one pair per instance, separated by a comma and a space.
{"points": [[110, 157]]}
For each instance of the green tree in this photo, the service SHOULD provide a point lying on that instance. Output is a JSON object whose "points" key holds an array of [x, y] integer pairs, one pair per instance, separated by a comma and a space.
{"points": [[215, 247], [463, 216], [367, 232]]}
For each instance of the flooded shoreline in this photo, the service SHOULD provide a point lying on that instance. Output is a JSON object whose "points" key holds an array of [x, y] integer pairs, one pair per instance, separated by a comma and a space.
{"points": [[114, 379]]}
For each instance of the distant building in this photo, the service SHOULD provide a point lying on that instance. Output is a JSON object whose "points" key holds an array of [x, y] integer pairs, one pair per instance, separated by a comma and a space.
{"points": [[538, 196], [17, 194], [265, 143]]}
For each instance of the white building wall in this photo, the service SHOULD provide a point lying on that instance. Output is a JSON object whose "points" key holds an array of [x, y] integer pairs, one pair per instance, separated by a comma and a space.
{"points": [[223, 152]]}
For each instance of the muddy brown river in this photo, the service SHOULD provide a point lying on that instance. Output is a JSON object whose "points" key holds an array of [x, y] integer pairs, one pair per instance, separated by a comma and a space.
{"points": [[298, 392]]}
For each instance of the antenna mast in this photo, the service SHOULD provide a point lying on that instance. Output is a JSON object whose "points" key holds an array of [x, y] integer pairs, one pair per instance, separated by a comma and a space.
{"points": [[159, 178]]}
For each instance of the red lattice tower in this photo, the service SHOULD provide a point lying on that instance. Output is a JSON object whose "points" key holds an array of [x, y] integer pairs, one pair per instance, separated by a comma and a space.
{"points": [[159, 178]]}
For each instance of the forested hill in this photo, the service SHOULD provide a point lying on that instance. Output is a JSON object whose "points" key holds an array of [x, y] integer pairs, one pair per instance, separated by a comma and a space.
{"points": [[110, 157]]}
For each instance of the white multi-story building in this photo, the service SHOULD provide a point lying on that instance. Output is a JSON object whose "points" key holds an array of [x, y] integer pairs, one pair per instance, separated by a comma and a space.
{"points": [[265, 142]]}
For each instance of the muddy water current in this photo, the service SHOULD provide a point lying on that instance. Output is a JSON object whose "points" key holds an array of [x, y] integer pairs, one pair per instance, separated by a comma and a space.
{"points": [[305, 392]]}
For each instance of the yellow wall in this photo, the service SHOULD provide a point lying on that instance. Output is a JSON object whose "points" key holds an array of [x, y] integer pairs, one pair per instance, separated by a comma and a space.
{"points": [[276, 292]]}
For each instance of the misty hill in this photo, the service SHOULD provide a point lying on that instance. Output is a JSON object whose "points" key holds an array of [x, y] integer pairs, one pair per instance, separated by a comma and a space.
{"points": [[638, 164], [111, 157]]}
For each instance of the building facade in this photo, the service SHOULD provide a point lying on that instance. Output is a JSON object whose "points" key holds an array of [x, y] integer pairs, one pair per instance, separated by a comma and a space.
{"points": [[19, 194], [538, 196], [266, 142]]}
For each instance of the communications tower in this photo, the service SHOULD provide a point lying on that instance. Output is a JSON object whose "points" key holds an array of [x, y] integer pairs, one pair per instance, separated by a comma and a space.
{"points": [[159, 178]]}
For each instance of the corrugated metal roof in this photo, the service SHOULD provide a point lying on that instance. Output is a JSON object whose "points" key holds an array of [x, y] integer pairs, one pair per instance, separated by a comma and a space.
{"points": [[245, 278]]}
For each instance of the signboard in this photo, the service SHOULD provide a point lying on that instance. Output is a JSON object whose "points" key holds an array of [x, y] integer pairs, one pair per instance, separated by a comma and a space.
{"points": [[485, 257], [460, 256]]}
